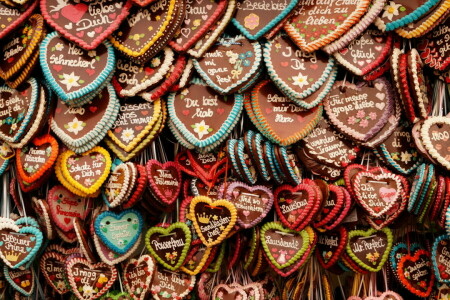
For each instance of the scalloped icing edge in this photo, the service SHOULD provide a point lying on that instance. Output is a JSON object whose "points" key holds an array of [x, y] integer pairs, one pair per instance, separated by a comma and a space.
{"points": [[85, 91], [154, 187], [343, 235], [245, 167], [125, 188], [415, 59], [357, 29], [50, 234], [15, 286], [351, 20], [58, 256], [148, 280], [409, 287]]}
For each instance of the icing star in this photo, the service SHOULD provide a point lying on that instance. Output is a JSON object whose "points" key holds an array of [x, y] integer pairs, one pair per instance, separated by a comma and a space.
{"points": [[215, 218]]}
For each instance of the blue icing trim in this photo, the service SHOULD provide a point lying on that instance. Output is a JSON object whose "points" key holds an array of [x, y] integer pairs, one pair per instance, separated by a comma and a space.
{"points": [[252, 81], [417, 184], [343, 266], [394, 164], [434, 258], [4, 166], [38, 236], [290, 92], [271, 160], [447, 220], [257, 52], [131, 223], [413, 16], [28, 221], [231, 153], [269, 26], [220, 134], [258, 141], [285, 157], [15, 285], [424, 191], [247, 173], [92, 88], [413, 247]]}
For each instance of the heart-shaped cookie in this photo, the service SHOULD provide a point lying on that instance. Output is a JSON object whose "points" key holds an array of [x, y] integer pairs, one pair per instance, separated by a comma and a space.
{"points": [[12, 17], [89, 281], [21, 280], [119, 231], [434, 48], [283, 247], [167, 284], [86, 24], [254, 19], [296, 73], [224, 291], [52, 265], [37, 158], [169, 246], [75, 74], [212, 220], [360, 110], [66, 206], [330, 246], [252, 203], [138, 276], [377, 194], [85, 172], [230, 64], [120, 184], [198, 259], [435, 133], [164, 180], [335, 19], [440, 256], [369, 248], [416, 274]]}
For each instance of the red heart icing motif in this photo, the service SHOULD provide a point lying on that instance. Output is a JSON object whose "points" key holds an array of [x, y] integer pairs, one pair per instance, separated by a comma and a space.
{"points": [[434, 48], [164, 180], [416, 273], [75, 20]]}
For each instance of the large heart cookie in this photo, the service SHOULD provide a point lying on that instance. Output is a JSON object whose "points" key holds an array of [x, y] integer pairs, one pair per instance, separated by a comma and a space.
{"points": [[12, 16], [138, 276], [119, 231], [21, 280], [52, 266], [330, 246], [167, 284], [336, 17], [86, 24], [416, 274], [212, 220], [164, 180], [440, 256]]}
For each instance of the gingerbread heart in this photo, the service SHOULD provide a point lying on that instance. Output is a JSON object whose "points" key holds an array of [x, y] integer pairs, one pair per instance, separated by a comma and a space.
{"points": [[377, 194], [138, 276], [52, 265], [89, 281], [167, 284], [254, 19], [252, 203], [360, 111], [435, 133], [440, 256], [22, 280], [119, 231], [12, 16], [212, 220], [198, 259], [118, 187], [335, 19], [86, 24], [330, 246], [66, 206], [165, 180], [169, 246], [434, 48], [224, 291], [34, 160], [369, 248], [416, 274]]}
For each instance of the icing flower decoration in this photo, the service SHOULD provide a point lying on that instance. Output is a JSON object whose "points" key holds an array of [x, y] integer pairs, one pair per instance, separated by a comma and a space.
{"points": [[391, 10], [196, 22], [92, 53], [127, 135], [373, 115], [4, 149], [156, 62], [373, 257], [251, 21], [59, 47], [360, 114], [70, 80], [87, 290], [351, 120], [201, 129], [364, 123], [300, 80], [75, 126], [405, 156], [60, 285]]}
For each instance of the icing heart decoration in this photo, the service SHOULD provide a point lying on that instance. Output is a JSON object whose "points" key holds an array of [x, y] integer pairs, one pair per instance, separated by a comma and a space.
{"points": [[85, 172], [416, 274], [212, 220], [86, 24], [23, 281], [209, 117], [300, 73], [360, 110], [19, 244], [283, 247], [181, 284], [369, 248], [37, 158], [252, 203], [169, 246], [52, 265], [164, 180], [335, 19], [280, 120], [366, 52], [440, 255], [435, 137], [119, 231], [330, 245], [203, 15], [224, 73], [434, 48], [12, 16], [66, 206], [138, 276], [89, 281], [25, 99], [255, 20], [377, 194], [294, 204]]}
